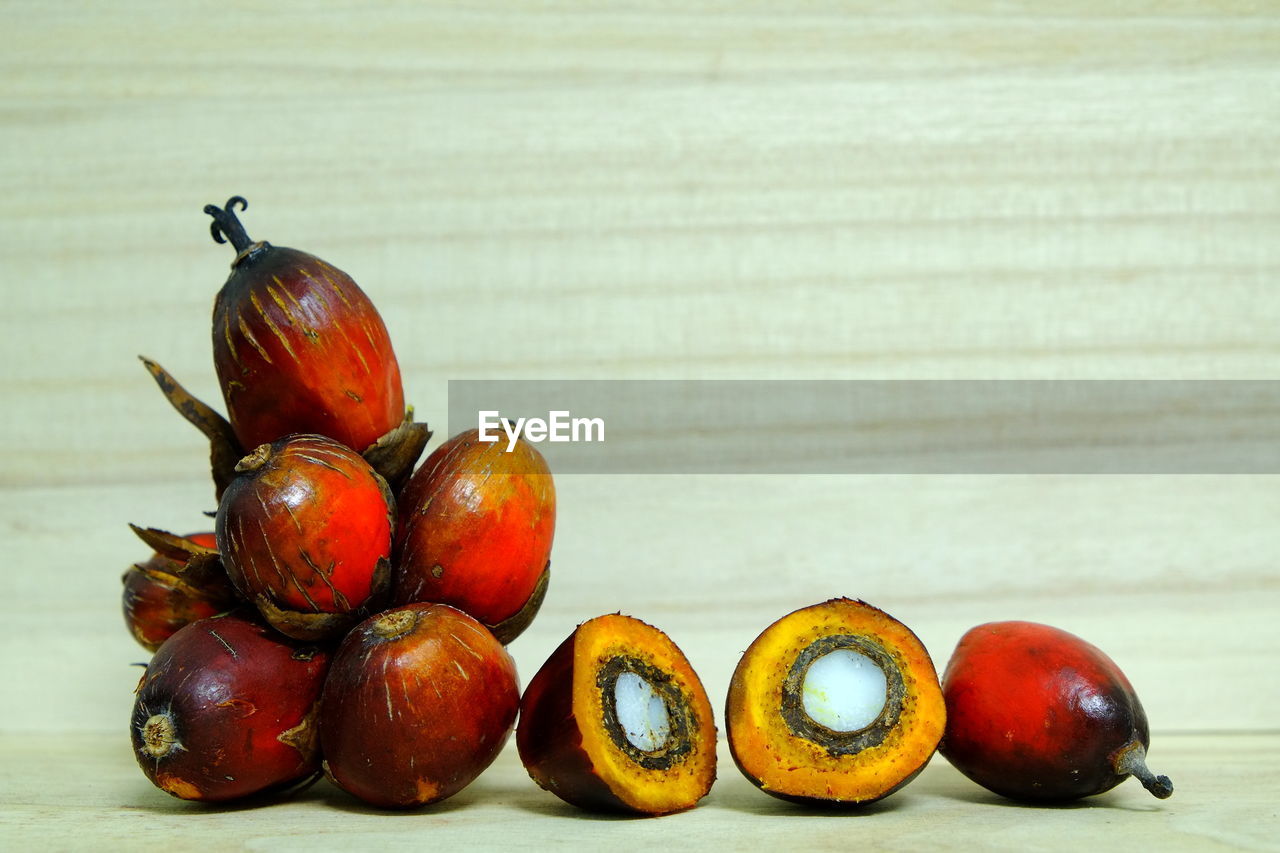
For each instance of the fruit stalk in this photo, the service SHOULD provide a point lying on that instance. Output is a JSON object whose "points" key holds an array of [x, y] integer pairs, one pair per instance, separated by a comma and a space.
{"points": [[1132, 760], [226, 226]]}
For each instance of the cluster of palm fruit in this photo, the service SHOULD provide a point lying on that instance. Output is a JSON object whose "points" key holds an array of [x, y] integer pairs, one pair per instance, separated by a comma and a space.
{"points": [[335, 569]]}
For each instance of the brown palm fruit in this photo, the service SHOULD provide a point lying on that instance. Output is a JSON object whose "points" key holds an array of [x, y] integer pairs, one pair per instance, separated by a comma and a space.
{"points": [[1035, 713], [305, 534], [474, 531], [835, 704], [419, 701], [226, 709], [180, 582], [617, 720]]}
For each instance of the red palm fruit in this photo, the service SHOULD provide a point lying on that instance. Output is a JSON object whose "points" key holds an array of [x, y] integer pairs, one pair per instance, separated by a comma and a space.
{"points": [[165, 593], [1035, 713], [419, 701], [298, 346], [305, 534], [226, 709], [475, 530]]}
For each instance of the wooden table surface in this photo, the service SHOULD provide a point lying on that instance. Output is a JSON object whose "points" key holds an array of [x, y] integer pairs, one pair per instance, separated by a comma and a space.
{"points": [[1224, 806], [811, 190]]}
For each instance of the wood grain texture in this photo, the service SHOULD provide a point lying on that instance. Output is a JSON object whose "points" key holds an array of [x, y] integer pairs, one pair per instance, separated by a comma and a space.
{"points": [[640, 190], [825, 190], [1226, 803]]}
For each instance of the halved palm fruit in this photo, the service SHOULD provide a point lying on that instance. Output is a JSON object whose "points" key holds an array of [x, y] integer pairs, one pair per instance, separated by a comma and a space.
{"points": [[617, 720], [837, 703]]}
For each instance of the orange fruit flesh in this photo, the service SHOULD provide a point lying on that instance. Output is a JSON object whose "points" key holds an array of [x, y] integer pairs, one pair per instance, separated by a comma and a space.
{"points": [[691, 770], [782, 762]]}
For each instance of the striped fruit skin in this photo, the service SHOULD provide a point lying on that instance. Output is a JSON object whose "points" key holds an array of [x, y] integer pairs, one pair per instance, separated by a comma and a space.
{"points": [[299, 348], [305, 534]]}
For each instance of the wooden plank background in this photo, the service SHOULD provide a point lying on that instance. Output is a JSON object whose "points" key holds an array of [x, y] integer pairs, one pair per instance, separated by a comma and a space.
{"points": [[818, 190]]}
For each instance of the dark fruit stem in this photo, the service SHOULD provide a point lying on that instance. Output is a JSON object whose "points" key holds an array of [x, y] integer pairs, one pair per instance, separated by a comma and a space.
{"points": [[1132, 760], [226, 225]]}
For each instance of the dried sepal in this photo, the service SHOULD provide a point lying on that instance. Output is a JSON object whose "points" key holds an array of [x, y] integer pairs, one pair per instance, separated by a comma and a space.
{"points": [[193, 562], [224, 447], [171, 545], [395, 453], [305, 736], [513, 626], [316, 627]]}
